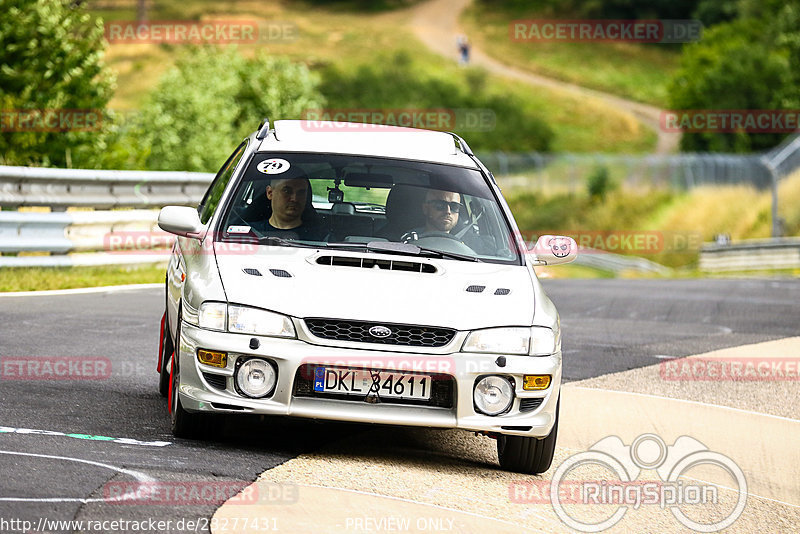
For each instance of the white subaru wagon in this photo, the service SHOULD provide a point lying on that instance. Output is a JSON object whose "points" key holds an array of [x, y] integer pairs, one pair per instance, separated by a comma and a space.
{"points": [[362, 273]]}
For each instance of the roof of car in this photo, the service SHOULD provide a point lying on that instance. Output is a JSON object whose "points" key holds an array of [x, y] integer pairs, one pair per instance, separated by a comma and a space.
{"points": [[365, 139]]}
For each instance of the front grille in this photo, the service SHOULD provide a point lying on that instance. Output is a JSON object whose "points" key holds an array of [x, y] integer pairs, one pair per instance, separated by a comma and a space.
{"points": [[358, 331], [442, 389], [527, 405], [215, 380]]}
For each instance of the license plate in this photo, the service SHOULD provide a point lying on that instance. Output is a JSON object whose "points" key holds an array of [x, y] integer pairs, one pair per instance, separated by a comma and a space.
{"points": [[387, 384]]}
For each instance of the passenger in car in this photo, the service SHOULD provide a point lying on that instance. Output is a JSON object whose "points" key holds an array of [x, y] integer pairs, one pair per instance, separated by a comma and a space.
{"points": [[291, 215]]}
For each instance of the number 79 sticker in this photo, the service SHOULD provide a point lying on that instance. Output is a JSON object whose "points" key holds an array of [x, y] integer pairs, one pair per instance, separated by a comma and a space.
{"points": [[273, 166]]}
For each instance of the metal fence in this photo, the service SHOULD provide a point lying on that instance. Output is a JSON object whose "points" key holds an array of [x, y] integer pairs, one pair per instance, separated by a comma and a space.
{"points": [[679, 171]]}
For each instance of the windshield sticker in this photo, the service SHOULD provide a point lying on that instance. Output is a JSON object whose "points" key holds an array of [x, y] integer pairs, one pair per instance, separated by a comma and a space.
{"points": [[238, 229], [273, 166]]}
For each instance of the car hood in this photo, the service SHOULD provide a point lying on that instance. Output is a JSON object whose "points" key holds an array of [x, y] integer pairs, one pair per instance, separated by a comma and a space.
{"points": [[296, 282]]}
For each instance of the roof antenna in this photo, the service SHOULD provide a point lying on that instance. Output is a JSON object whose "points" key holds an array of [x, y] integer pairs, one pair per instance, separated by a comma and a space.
{"points": [[263, 129]]}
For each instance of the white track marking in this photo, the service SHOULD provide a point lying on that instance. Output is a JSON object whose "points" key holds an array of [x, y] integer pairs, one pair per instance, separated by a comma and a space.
{"points": [[141, 477], [81, 290]]}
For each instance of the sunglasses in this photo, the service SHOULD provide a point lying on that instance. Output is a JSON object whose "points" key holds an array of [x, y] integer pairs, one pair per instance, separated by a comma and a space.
{"points": [[441, 205]]}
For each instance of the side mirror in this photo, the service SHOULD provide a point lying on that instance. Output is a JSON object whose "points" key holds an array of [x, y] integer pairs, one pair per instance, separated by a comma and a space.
{"points": [[554, 250], [180, 220]]}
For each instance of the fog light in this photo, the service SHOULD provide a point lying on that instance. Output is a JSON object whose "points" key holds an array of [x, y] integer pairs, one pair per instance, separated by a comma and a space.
{"points": [[535, 382], [210, 357], [493, 395], [256, 378]]}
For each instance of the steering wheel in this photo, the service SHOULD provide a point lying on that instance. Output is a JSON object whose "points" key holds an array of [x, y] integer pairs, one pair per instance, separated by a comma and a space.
{"points": [[448, 235]]}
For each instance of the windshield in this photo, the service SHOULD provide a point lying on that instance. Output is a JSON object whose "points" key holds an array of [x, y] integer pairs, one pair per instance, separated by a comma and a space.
{"points": [[342, 201]]}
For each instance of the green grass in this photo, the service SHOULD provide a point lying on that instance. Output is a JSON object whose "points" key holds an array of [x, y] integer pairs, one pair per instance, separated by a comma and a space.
{"points": [[681, 221], [45, 278], [636, 71], [346, 39]]}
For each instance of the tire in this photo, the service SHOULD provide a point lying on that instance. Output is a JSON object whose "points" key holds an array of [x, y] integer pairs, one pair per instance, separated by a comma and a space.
{"points": [[528, 455], [184, 424], [167, 348]]}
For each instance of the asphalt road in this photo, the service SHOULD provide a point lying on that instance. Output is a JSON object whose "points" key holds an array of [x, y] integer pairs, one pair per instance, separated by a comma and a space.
{"points": [[608, 326]]}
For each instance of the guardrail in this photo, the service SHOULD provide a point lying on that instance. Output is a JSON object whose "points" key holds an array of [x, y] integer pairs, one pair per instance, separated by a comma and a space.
{"points": [[617, 263], [124, 237], [63, 188], [751, 255], [89, 237]]}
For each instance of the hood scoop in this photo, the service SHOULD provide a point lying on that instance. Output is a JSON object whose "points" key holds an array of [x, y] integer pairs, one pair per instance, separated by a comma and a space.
{"points": [[251, 272], [372, 263]]}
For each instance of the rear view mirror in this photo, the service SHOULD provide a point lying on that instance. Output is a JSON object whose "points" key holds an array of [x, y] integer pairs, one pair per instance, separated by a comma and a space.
{"points": [[554, 250], [180, 220], [368, 179]]}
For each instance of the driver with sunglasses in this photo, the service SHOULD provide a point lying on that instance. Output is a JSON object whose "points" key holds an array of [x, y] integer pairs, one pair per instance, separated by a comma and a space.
{"points": [[441, 209]]}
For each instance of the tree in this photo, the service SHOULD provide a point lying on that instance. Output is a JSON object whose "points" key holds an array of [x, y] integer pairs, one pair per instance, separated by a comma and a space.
{"points": [[51, 65], [737, 66], [211, 99]]}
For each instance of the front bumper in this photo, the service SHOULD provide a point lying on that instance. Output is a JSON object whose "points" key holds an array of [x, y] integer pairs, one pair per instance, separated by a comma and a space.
{"points": [[532, 413]]}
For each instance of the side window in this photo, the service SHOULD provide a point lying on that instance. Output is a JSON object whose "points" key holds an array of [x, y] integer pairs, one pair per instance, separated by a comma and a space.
{"points": [[211, 199]]}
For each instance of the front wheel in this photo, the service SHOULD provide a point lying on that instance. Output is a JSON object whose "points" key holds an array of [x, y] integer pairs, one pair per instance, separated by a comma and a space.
{"points": [[184, 424], [166, 350], [528, 455]]}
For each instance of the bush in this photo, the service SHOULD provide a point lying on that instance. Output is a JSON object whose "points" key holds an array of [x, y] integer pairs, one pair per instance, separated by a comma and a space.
{"points": [[599, 183], [51, 58], [212, 99], [396, 81], [750, 63]]}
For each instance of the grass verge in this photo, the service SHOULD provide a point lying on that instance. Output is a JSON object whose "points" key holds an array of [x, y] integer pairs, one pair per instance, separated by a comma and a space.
{"points": [[46, 278], [349, 41], [637, 71]]}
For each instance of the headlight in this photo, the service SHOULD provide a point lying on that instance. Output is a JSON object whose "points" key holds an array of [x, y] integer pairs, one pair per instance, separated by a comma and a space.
{"points": [[544, 341], [212, 315], [535, 340], [493, 395], [244, 320], [499, 341], [256, 378]]}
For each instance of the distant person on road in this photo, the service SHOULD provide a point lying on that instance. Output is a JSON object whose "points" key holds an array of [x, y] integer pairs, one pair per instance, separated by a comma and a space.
{"points": [[289, 198], [463, 49]]}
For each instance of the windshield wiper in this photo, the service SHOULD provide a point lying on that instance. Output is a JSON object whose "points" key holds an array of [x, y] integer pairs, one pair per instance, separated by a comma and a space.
{"points": [[274, 240], [436, 253], [394, 247]]}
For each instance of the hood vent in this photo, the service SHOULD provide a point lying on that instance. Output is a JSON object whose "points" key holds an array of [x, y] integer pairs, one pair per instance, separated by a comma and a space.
{"points": [[372, 263], [280, 273], [475, 289], [252, 272], [502, 291]]}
